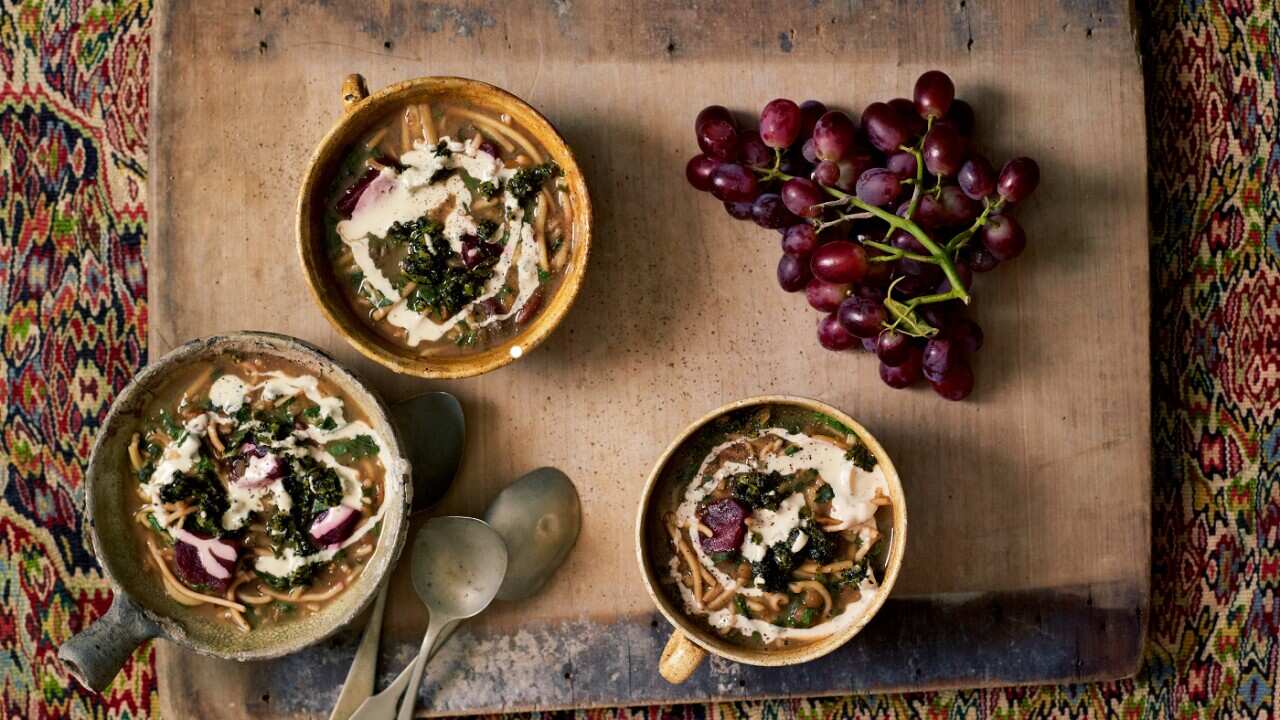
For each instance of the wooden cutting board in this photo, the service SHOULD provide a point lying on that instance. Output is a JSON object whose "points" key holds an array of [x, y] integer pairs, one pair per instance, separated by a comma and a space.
{"points": [[1029, 552]]}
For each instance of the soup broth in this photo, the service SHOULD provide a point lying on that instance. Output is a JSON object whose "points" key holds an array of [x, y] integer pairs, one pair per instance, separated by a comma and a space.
{"points": [[260, 489], [773, 528], [449, 228]]}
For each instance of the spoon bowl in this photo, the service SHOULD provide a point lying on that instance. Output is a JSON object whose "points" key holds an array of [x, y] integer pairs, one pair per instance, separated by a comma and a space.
{"points": [[539, 516], [458, 566]]}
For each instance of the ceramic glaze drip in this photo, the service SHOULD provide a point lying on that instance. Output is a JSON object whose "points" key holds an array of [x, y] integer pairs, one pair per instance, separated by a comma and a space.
{"points": [[852, 491], [411, 194]]}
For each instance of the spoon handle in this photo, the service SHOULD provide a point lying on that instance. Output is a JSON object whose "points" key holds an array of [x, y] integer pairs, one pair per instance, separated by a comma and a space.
{"points": [[415, 669], [360, 678]]}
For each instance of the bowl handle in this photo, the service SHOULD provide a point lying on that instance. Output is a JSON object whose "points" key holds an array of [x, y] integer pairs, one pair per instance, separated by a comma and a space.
{"points": [[354, 91], [679, 658], [94, 655]]}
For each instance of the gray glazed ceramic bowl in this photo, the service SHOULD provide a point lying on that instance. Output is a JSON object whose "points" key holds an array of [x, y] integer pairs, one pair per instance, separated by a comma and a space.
{"points": [[141, 609]]}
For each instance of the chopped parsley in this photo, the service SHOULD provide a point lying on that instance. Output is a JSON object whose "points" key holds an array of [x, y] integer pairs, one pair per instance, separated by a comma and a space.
{"points": [[357, 447]]}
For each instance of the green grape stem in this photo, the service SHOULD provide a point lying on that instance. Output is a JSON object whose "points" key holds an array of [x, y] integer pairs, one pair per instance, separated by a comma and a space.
{"points": [[962, 238]]}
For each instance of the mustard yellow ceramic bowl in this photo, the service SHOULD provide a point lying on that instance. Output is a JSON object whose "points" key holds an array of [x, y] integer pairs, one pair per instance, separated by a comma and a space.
{"points": [[691, 640], [363, 113]]}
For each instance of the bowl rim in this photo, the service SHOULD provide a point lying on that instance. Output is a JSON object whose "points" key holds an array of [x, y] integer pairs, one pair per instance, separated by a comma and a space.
{"points": [[146, 380], [377, 350], [763, 657]]}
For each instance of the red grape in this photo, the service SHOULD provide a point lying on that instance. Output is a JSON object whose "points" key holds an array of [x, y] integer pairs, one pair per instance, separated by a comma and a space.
{"points": [[810, 111], [699, 170], [956, 383], [944, 150], [966, 333], [852, 169], [1003, 237], [929, 213], [878, 274], [794, 163], [833, 136], [800, 240], [809, 150], [780, 123], [906, 374], [960, 117], [739, 210], [885, 128], [892, 347], [793, 273], [934, 93], [902, 164], [826, 173], [907, 111], [862, 316], [909, 286], [801, 195], [977, 178], [940, 315], [825, 296], [1018, 179], [732, 182], [878, 186], [957, 208], [832, 335], [768, 211], [717, 132], [904, 240], [839, 261], [753, 150], [981, 260], [939, 357]]}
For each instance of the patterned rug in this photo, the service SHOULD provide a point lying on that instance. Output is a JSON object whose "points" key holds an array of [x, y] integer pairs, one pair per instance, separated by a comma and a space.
{"points": [[73, 126]]}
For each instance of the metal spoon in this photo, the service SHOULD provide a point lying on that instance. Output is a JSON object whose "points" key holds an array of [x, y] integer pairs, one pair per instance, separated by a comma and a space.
{"points": [[538, 516], [458, 566], [435, 432]]}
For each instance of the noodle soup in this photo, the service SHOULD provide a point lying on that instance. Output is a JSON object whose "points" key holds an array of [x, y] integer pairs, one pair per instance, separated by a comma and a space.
{"points": [[260, 489], [449, 228], [775, 524]]}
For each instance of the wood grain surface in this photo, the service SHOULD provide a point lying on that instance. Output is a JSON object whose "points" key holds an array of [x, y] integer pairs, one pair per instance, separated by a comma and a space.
{"points": [[1029, 550]]}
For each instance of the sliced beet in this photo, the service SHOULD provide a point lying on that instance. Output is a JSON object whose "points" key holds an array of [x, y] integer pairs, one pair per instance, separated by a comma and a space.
{"points": [[204, 562], [726, 518], [347, 203], [255, 467], [334, 525]]}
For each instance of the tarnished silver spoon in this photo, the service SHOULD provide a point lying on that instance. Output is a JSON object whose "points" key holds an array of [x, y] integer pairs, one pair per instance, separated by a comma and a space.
{"points": [[458, 566], [539, 517], [434, 430]]}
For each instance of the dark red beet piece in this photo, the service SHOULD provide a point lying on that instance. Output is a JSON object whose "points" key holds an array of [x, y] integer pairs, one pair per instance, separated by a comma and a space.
{"points": [[347, 203], [334, 525], [725, 518], [197, 571]]}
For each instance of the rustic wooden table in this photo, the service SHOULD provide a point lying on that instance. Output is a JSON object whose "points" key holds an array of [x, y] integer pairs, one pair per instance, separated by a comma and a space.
{"points": [[1029, 552]]}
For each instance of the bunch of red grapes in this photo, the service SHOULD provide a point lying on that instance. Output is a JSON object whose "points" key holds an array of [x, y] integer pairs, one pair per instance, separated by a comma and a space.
{"points": [[884, 221]]}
